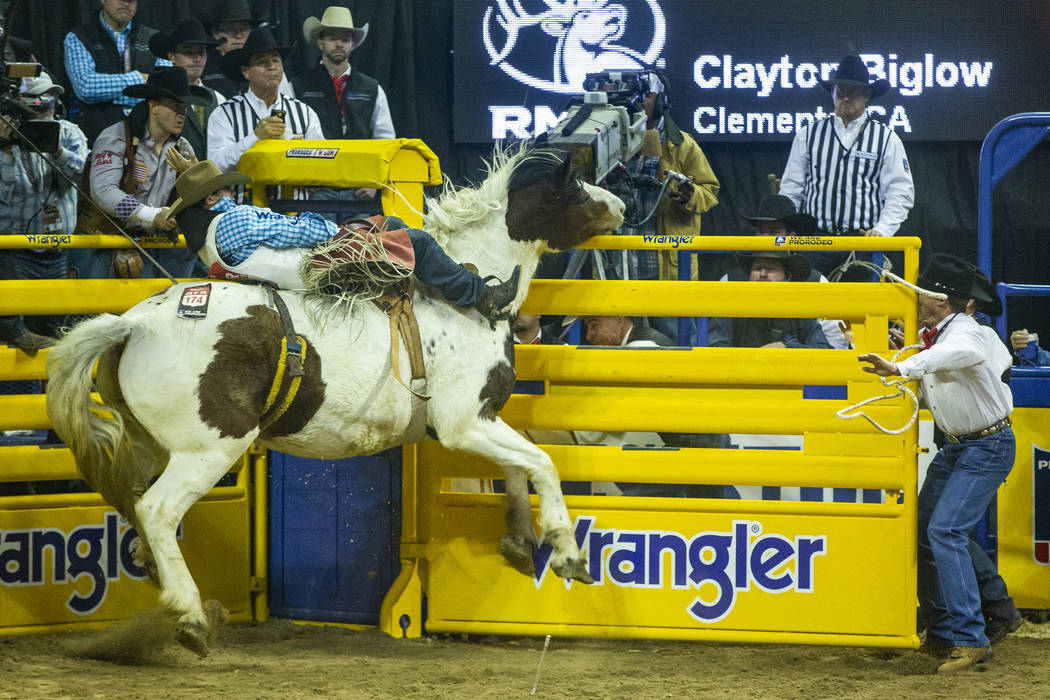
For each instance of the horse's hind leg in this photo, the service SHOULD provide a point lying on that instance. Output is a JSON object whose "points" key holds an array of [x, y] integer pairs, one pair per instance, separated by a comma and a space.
{"points": [[187, 477], [495, 440], [519, 545]]}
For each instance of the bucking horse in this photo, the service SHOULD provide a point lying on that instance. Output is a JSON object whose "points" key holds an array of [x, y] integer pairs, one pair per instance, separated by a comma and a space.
{"points": [[183, 398]]}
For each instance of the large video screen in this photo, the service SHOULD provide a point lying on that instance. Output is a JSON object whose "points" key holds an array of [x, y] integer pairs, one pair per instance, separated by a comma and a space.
{"points": [[748, 70]]}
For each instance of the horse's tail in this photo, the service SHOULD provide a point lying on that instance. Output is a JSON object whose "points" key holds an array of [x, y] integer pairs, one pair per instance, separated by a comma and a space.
{"points": [[92, 430]]}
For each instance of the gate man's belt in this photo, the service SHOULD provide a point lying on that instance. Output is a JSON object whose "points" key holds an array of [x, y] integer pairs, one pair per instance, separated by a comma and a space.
{"points": [[990, 430]]}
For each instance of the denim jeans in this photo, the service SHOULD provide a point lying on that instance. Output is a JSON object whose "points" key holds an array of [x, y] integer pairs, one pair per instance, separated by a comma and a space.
{"points": [[460, 286], [960, 483], [31, 265], [94, 264]]}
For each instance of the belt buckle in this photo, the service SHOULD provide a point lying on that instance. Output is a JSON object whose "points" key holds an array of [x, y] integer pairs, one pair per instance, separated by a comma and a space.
{"points": [[952, 438]]}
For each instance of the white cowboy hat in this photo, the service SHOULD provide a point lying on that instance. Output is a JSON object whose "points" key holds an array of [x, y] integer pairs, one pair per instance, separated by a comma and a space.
{"points": [[334, 18]]}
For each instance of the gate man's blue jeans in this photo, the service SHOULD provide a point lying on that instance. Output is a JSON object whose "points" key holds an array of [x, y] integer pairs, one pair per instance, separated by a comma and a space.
{"points": [[960, 483]]}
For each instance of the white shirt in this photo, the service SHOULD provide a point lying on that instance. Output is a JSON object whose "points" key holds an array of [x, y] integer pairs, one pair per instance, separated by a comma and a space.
{"points": [[231, 127], [962, 376], [895, 181]]}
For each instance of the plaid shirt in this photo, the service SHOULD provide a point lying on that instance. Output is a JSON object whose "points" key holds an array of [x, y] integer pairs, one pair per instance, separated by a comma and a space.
{"points": [[101, 87], [244, 228], [27, 183], [645, 262]]}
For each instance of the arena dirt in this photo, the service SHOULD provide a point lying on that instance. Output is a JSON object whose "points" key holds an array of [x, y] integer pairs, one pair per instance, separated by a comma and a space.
{"points": [[278, 659]]}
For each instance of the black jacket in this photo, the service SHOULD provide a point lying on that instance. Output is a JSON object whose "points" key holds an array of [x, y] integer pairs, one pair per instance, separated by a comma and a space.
{"points": [[93, 117], [196, 132], [315, 88]]}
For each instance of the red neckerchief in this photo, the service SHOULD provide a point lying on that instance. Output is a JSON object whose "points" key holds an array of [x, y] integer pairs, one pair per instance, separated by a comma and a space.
{"points": [[340, 82], [929, 336]]}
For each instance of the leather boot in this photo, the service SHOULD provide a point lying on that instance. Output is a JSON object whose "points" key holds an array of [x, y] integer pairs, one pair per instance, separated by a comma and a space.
{"points": [[495, 300]]}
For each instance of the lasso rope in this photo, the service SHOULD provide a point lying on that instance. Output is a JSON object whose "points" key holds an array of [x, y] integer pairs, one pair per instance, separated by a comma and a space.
{"points": [[853, 411]]}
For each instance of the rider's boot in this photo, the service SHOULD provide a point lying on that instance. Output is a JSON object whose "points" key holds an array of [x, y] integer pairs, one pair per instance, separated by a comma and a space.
{"points": [[494, 303]]}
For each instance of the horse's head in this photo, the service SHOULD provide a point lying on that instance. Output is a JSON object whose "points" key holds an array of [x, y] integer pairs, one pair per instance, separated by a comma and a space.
{"points": [[548, 201]]}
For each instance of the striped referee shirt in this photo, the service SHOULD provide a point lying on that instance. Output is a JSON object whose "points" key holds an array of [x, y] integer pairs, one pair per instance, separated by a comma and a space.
{"points": [[231, 127], [850, 177]]}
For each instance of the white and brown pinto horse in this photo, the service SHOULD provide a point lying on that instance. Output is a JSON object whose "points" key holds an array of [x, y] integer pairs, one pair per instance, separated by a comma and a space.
{"points": [[182, 398]]}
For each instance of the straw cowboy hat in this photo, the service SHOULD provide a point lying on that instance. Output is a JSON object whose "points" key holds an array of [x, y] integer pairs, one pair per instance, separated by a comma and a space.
{"points": [[794, 264], [188, 31], [200, 180], [333, 18], [258, 41], [777, 207], [852, 71], [170, 82]]}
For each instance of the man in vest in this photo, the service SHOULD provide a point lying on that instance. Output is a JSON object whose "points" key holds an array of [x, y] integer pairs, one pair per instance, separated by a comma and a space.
{"points": [[104, 56], [849, 147], [262, 112], [350, 104], [230, 23], [769, 266], [137, 193], [186, 46]]}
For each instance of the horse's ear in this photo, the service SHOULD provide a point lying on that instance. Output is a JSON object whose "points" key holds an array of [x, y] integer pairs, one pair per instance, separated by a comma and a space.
{"points": [[564, 173]]}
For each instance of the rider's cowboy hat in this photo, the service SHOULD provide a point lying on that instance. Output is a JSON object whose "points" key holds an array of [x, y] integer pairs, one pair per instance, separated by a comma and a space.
{"points": [[200, 180], [188, 31], [794, 264], [259, 41], [230, 11], [777, 207], [852, 71], [169, 82], [333, 18]]}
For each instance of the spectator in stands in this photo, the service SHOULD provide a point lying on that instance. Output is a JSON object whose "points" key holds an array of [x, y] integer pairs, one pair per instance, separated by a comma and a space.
{"points": [[961, 383], [136, 193], [349, 103], [769, 266], [849, 146], [186, 46], [229, 23], [527, 331], [621, 331], [244, 119], [776, 216], [1035, 355], [104, 56], [37, 200]]}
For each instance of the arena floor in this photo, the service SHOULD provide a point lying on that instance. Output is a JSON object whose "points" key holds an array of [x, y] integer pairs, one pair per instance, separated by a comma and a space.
{"points": [[277, 659]]}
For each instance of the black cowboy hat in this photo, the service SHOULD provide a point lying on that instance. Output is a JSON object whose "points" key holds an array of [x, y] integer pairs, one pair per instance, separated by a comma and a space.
{"points": [[258, 41], [852, 71], [795, 264], [777, 207], [953, 276], [230, 11], [188, 31], [170, 82], [988, 300]]}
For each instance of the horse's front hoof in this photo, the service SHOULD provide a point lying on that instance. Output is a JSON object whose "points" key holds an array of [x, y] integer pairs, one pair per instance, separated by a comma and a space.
{"points": [[193, 636], [575, 569], [519, 553]]}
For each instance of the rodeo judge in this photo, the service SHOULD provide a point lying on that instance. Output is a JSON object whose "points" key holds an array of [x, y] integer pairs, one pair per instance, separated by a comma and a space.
{"points": [[961, 383]]}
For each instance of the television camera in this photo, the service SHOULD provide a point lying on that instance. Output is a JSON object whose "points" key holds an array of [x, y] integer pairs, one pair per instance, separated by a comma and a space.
{"points": [[32, 125], [608, 127]]}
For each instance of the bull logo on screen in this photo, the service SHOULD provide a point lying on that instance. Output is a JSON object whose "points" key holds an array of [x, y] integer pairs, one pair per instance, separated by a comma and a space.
{"points": [[584, 36], [717, 565]]}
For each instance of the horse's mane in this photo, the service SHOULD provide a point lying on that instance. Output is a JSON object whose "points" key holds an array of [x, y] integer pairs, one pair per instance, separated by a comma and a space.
{"points": [[458, 208]]}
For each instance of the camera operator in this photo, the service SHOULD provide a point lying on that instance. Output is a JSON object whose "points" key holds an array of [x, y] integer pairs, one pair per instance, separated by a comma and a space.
{"points": [[678, 212], [34, 199]]}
